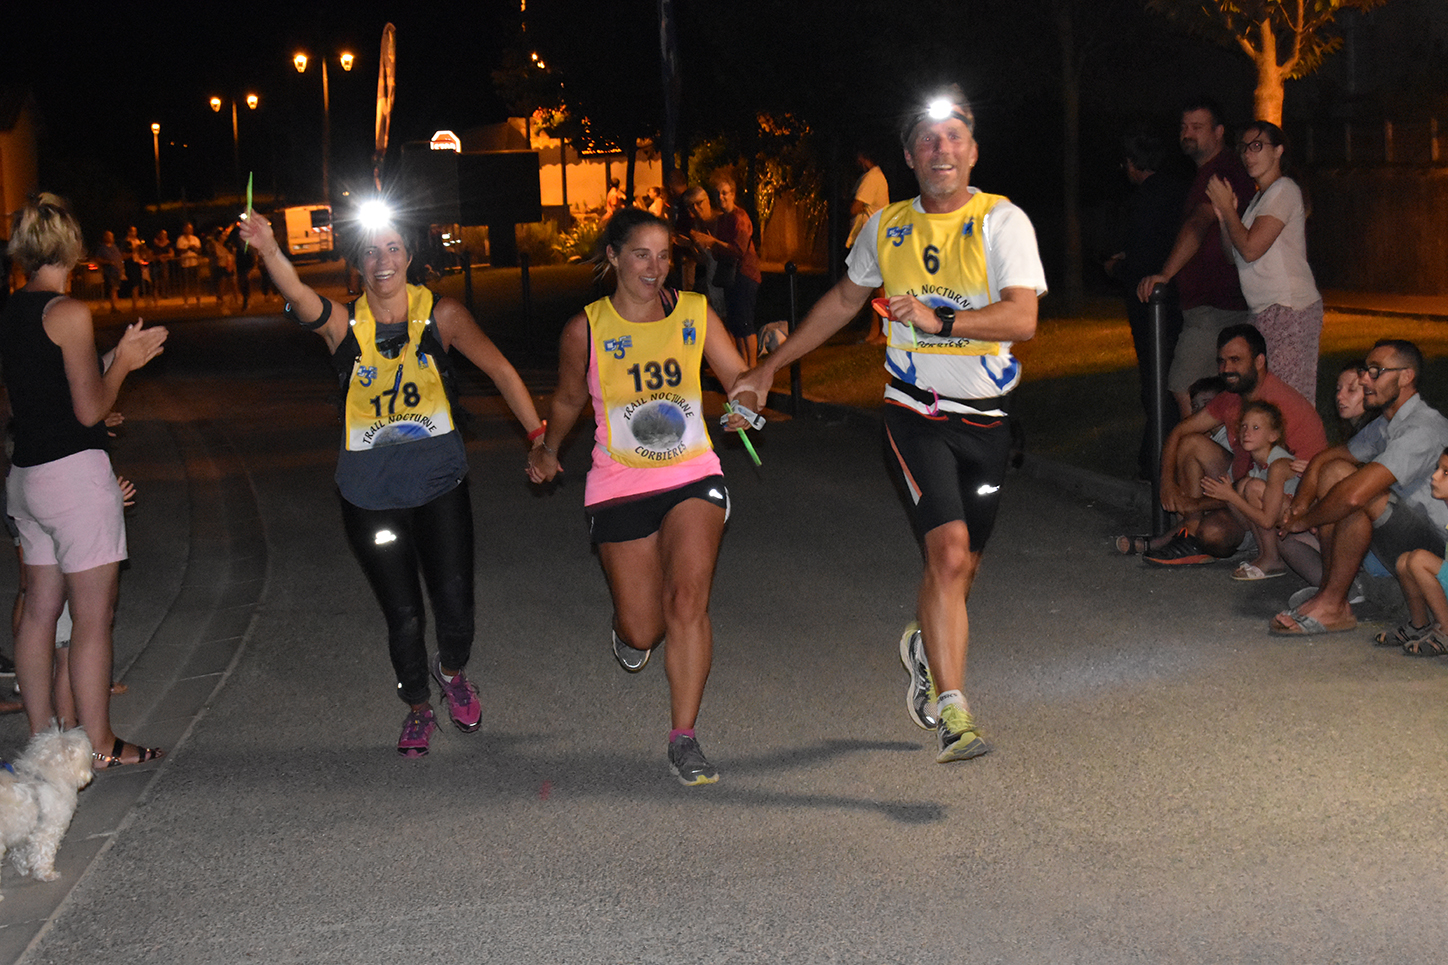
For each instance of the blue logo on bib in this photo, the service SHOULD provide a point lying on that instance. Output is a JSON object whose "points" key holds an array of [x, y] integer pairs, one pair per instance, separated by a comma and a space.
{"points": [[898, 235], [365, 374], [968, 229], [690, 336], [618, 346]]}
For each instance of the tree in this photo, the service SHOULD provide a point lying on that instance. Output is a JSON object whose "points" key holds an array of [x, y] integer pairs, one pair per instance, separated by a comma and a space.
{"points": [[1284, 39]]}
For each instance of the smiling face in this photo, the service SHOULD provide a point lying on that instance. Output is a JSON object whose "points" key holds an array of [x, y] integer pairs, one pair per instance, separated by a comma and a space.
{"points": [[725, 190], [1350, 394], [384, 262], [641, 262], [1237, 366], [941, 153], [1201, 136]]}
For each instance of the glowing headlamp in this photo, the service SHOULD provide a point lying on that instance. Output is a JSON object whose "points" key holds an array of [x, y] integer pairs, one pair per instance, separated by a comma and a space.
{"points": [[940, 108], [374, 215]]}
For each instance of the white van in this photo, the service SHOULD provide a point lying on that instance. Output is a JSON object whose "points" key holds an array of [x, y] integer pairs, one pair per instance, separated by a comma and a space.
{"points": [[308, 230]]}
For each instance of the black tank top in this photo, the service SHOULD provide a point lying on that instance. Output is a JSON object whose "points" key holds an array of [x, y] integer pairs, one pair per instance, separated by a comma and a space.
{"points": [[45, 425]]}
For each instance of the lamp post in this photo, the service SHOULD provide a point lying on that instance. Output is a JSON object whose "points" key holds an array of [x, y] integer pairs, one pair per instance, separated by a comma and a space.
{"points": [[156, 149], [299, 61], [251, 101]]}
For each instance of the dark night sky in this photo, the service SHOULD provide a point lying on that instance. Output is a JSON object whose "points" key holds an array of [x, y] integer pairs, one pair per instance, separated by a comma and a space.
{"points": [[104, 73]]}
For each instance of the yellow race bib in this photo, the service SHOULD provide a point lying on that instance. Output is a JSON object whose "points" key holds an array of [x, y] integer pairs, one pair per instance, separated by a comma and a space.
{"points": [[391, 401]]}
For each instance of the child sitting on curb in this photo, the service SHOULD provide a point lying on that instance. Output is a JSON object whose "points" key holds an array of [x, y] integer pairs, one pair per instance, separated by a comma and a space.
{"points": [[1257, 498], [1424, 579]]}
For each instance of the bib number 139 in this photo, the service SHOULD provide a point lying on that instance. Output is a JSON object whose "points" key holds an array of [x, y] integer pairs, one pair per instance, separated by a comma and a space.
{"points": [[653, 376]]}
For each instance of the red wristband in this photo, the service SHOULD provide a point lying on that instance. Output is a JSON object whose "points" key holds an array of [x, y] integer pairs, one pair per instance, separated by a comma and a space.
{"points": [[538, 431]]}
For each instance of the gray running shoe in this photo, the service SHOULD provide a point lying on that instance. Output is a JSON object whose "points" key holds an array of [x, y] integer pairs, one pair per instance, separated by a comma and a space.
{"points": [[687, 762], [629, 658], [960, 737], [920, 691]]}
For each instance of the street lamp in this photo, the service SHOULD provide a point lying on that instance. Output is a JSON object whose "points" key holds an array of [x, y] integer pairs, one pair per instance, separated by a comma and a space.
{"points": [[156, 148], [251, 101], [299, 60]]}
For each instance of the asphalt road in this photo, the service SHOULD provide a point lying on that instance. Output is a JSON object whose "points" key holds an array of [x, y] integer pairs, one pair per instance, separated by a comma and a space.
{"points": [[1170, 783]]}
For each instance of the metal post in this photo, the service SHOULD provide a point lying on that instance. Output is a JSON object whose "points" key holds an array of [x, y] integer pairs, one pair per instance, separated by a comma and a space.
{"points": [[527, 286], [1157, 307], [791, 270]]}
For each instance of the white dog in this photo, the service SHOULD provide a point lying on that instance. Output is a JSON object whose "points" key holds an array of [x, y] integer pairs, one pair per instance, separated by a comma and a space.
{"points": [[37, 799]]}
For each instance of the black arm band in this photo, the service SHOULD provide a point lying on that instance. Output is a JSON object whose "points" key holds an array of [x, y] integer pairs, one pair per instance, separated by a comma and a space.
{"points": [[312, 326]]}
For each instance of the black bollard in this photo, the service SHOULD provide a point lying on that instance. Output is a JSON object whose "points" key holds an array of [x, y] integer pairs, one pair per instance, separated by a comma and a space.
{"points": [[1158, 306], [791, 270], [468, 282]]}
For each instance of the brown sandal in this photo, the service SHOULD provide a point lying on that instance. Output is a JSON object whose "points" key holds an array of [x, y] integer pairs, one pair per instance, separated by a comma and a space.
{"points": [[113, 759]]}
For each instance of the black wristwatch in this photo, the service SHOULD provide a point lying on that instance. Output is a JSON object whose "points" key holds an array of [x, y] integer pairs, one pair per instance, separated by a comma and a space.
{"points": [[946, 314]]}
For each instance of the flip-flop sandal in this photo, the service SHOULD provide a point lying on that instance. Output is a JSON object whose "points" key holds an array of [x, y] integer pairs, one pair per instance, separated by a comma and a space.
{"points": [[1402, 636], [1249, 572], [1306, 626], [1132, 545], [1431, 644], [113, 759]]}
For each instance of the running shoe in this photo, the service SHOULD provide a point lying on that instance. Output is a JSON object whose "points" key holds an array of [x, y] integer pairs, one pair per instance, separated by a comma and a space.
{"points": [[920, 691], [1181, 551], [462, 699], [629, 658], [687, 762], [960, 738], [417, 731]]}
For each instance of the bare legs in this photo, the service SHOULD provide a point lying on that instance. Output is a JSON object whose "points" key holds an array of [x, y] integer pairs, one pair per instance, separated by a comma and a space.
{"points": [[950, 568], [661, 586]]}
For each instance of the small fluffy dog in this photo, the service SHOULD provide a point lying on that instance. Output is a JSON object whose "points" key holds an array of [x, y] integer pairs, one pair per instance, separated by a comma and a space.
{"points": [[37, 798]]}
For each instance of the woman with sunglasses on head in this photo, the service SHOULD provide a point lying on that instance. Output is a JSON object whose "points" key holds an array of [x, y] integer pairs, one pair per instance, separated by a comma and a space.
{"points": [[655, 495], [1269, 244], [402, 470]]}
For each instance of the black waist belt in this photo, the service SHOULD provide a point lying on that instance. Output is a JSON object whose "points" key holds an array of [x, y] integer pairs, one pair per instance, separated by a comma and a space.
{"points": [[1001, 402]]}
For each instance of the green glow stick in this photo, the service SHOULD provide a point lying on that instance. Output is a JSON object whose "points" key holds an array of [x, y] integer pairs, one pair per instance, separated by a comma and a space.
{"points": [[744, 437], [245, 246]]}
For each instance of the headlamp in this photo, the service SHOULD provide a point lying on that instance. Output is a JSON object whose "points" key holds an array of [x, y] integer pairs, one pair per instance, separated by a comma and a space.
{"points": [[374, 215]]}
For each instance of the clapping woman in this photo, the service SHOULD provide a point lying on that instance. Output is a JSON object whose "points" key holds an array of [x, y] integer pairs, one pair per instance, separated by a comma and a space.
{"points": [[61, 490], [1269, 244]]}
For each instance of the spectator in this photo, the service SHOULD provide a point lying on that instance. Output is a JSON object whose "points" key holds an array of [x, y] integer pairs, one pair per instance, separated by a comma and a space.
{"points": [[1153, 214], [1211, 298], [1374, 492], [163, 264], [1269, 244], [188, 256], [730, 240], [1209, 531], [872, 192], [1257, 498], [1424, 577], [109, 257]]}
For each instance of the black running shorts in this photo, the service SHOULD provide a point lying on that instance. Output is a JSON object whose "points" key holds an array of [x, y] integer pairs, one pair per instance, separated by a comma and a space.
{"points": [[953, 466], [632, 519]]}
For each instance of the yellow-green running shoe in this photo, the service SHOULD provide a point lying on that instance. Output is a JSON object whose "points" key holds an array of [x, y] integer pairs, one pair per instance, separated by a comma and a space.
{"points": [[920, 691], [960, 738]]}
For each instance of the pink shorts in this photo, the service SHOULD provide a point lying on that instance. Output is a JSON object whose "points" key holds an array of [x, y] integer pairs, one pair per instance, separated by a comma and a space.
{"points": [[69, 512]]}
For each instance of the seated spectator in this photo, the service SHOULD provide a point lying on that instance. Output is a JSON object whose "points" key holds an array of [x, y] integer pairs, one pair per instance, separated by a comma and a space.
{"points": [[1209, 530], [1373, 492], [1256, 500], [1424, 578]]}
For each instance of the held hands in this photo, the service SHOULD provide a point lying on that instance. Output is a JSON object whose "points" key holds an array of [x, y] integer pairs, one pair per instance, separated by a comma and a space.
{"points": [[735, 421], [1220, 193], [751, 386], [542, 463], [138, 346]]}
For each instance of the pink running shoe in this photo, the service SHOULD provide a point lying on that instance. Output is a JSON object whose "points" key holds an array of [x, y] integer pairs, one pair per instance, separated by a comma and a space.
{"points": [[462, 699], [417, 731]]}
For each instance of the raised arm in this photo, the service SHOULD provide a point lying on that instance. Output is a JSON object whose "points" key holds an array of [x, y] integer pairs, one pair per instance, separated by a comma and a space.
{"points": [[93, 392], [306, 304]]}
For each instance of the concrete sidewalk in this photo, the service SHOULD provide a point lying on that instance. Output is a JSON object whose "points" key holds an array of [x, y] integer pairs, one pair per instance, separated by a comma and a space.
{"points": [[1170, 783]]}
